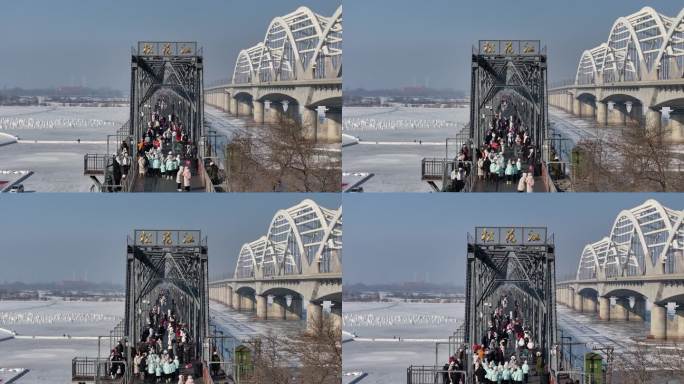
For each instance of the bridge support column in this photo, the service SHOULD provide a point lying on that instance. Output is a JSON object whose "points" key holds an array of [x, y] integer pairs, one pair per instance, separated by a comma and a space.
{"points": [[261, 306], [229, 296], [576, 107], [233, 106], [653, 120], [278, 308], [578, 302], [658, 322], [309, 122], [247, 303], [601, 113], [237, 301], [314, 314], [588, 109], [334, 131], [620, 310], [675, 126], [258, 112], [226, 102], [604, 308]]}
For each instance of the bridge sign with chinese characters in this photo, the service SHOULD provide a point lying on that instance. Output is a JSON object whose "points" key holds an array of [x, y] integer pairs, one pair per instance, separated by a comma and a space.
{"points": [[167, 48], [509, 47], [170, 238], [510, 235]]}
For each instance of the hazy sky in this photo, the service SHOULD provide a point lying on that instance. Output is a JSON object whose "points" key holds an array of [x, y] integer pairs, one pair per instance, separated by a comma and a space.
{"points": [[51, 237], [85, 42], [395, 43], [402, 237]]}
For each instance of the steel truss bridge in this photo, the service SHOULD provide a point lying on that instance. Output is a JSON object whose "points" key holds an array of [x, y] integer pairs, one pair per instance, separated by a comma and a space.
{"points": [[642, 259], [172, 263], [166, 78], [292, 74], [633, 77], [297, 265], [514, 71]]}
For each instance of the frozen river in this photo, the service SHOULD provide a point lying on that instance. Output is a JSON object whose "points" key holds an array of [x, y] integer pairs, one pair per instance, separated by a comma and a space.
{"points": [[404, 136], [56, 158], [385, 359], [49, 360]]}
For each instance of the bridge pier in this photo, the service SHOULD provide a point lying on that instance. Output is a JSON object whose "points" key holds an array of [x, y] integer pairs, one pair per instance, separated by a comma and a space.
{"points": [[229, 296], [604, 308], [233, 106], [587, 109], [314, 315], [601, 113], [258, 112], [247, 304], [336, 315], [658, 322], [334, 126], [576, 107], [309, 122], [261, 307], [237, 302], [226, 102], [589, 305], [578, 302]]}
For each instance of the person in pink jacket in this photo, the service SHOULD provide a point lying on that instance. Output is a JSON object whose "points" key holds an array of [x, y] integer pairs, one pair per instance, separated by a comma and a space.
{"points": [[186, 177]]}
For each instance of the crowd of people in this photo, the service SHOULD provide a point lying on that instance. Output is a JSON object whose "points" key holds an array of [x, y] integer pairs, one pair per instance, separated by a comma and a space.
{"points": [[164, 349], [507, 153], [164, 151]]}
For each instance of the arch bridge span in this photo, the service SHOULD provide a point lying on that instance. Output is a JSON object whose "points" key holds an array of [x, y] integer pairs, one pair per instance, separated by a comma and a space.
{"points": [[640, 264], [294, 74], [293, 269]]}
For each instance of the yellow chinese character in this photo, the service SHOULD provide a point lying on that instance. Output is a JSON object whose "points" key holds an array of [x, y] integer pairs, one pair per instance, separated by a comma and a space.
{"points": [[509, 48], [167, 49], [489, 47], [167, 240], [487, 236], [528, 48], [147, 49], [186, 51], [510, 236], [533, 236], [188, 239], [145, 238]]}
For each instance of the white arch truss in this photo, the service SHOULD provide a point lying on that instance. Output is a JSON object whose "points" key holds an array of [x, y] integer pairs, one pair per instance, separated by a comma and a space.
{"points": [[648, 239], [303, 239], [645, 45], [299, 45]]}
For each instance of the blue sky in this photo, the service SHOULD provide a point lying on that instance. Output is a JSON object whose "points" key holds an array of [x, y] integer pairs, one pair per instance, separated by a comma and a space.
{"points": [[402, 237], [395, 43], [51, 237], [85, 42]]}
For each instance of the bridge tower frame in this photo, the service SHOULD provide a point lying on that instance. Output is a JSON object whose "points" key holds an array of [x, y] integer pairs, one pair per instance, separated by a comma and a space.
{"points": [[516, 65], [519, 258], [175, 259], [174, 66]]}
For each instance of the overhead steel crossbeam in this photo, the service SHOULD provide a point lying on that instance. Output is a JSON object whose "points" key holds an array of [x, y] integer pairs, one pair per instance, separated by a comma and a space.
{"points": [[517, 68], [517, 262], [169, 260], [171, 72]]}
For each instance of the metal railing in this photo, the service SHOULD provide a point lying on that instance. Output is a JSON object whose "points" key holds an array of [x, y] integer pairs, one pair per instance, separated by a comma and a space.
{"points": [[95, 164], [85, 369], [425, 374], [436, 169]]}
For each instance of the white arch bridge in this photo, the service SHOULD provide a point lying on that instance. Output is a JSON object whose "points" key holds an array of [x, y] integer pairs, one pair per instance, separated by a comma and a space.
{"points": [[297, 265], [642, 260], [292, 74], [633, 77]]}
